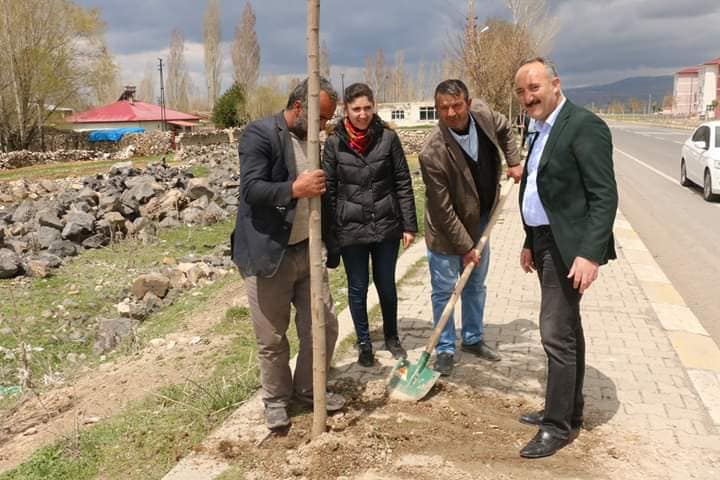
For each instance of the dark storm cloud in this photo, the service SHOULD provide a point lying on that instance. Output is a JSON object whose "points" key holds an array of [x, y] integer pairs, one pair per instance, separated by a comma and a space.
{"points": [[598, 40]]}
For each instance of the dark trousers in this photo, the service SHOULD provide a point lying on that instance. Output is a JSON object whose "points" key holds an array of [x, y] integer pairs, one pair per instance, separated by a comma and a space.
{"points": [[562, 337], [384, 257]]}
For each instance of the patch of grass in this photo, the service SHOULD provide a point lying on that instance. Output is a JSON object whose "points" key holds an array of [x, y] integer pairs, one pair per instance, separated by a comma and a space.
{"points": [[149, 437], [234, 316], [199, 171], [55, 315], [75, 169]]}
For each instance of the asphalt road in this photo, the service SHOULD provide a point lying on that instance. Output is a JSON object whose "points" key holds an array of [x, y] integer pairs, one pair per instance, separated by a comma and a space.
{"points": [[679, 228]]}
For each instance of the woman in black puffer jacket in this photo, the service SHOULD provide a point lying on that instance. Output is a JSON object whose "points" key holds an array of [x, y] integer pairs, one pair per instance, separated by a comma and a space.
{"points": [[370, 197]]}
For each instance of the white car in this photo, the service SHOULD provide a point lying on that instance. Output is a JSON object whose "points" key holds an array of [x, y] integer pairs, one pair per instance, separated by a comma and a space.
{"points": [[700, 163]]}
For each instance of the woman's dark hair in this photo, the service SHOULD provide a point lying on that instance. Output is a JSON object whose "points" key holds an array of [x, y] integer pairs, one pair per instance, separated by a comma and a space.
{"points": [[357, 90]]}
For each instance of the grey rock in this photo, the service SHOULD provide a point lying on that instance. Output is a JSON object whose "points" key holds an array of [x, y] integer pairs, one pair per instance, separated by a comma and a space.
{"points": [[152, 302], [24, 212], [88, 196], [79, 226], [49, 218], [63, 248], [96, 241], [111, 332], [45, 236], [53, 260], [169, 222], [201, 203], [109, 202], [213, 213], [192, 216], [18, 246], [10, 264], [152, 282], [114, 219], [198, 187]]}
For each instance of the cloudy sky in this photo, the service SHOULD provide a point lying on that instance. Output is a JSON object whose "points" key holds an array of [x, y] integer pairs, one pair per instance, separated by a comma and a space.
{"points": [[599, 41]]}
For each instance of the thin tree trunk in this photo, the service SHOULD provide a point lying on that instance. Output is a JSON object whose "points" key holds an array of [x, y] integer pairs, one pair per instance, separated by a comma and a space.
{"points": [[315, 247], [13, 76]]}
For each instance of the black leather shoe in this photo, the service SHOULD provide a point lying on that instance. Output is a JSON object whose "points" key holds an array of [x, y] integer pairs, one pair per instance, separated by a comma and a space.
{"points": [[395, 348], [543, 444], [444, 363], [536, 418], [482, 350], [365, 356]]}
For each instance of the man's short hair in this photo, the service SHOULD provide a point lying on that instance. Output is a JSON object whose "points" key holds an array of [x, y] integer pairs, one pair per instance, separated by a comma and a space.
{"points": [[549, 65], [300, 93], [452, 87]]}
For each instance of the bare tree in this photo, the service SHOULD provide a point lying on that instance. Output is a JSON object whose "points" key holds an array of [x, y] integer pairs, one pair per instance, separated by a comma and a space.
{"points": [[398, 78], [49, 52], [324, 60], [177, 84], [213, 54], [420, 83], [245, 50], [490, 59], [146, 88], [534, 17], [369, 74], [104, 85]]}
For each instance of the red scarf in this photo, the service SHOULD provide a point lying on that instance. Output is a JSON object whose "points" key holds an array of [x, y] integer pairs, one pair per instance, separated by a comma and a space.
{"points": [[359, 139]]}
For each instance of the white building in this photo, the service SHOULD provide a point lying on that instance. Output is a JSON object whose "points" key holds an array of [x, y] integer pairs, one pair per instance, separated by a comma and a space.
{"points": [[408, 114]]}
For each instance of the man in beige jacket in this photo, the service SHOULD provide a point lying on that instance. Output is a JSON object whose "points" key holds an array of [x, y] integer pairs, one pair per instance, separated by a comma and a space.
{"points": [[461, 165]]}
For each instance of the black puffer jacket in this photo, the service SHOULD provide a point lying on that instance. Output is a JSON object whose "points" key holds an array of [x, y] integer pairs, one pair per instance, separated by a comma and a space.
{"points": [[370, 196]]}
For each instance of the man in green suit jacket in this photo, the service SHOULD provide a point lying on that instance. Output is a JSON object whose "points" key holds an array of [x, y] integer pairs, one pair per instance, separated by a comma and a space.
{"points": [[568, 200]]}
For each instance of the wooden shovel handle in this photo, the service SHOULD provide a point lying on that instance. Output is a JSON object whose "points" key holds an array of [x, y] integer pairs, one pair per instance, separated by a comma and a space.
{"points": [[460, 284]]}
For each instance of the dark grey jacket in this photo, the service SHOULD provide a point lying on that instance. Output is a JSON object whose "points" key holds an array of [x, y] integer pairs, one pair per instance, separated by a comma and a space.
{"points": [[370, 197], [266, 210]]}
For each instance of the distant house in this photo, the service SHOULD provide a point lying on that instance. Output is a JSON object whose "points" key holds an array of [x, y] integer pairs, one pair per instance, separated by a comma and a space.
{"points": [[128, 112], [408, 114], [696, 90]]}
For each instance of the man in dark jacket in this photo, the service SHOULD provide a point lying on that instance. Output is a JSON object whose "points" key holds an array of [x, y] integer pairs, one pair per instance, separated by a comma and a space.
{"points": [[568, 200], [270, 246], [461, 164]]}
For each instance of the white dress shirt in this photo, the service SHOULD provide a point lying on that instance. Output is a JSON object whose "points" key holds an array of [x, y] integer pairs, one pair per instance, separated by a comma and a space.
{"points": [[532, 207]]}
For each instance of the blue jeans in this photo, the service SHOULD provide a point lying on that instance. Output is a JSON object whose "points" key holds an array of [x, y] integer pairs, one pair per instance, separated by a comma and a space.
{"points": [[384, 257], [444, 273]]}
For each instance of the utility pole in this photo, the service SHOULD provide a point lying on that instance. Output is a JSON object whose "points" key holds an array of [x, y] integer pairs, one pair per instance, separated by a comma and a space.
{"points": [[342, 85], [163, 116], [649, 103]]}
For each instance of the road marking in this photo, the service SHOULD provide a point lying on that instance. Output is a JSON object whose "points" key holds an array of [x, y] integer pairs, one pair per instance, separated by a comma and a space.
{"points": [[652, 169], [663, 175]]}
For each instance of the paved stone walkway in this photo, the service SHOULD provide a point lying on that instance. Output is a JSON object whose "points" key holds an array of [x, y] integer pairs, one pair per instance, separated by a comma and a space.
{"points": [[652, 371]]}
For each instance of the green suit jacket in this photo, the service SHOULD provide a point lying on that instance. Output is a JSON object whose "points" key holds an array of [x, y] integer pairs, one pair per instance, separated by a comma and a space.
{"points": [[576, 184]]}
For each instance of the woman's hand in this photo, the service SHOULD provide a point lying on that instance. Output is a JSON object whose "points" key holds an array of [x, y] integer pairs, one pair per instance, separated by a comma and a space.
{"points": [[408, 238]]}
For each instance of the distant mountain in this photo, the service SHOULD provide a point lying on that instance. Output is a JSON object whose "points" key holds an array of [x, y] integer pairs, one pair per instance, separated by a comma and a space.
{"points": [[623, 90]]}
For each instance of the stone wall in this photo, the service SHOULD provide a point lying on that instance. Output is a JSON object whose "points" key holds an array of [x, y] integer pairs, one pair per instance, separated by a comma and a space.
{"points": [[412, 139], [214, 137]]}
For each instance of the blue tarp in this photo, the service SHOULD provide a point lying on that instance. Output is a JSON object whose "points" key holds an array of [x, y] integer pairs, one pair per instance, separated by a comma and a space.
{"points": [[113, 135]]}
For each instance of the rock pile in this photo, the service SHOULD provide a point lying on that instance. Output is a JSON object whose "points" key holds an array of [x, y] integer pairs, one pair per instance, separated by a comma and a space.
{"points": [[413, 139], [152, 291], [53, 223], [147, 143]]}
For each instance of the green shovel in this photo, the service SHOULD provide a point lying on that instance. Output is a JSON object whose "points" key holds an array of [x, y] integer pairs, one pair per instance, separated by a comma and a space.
{"points": [[412, 381]]}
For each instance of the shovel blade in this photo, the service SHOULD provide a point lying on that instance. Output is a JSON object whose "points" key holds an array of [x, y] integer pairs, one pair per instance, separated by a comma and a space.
{"points": [[412, 381]]}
